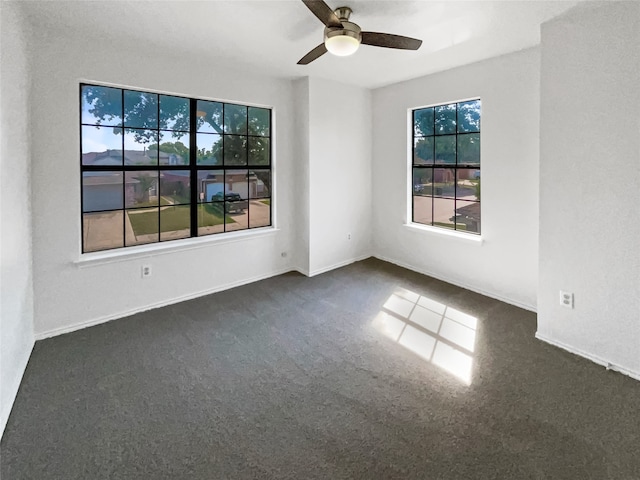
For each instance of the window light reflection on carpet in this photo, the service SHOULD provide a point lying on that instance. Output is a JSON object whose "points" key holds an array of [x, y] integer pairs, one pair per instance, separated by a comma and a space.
{"points": [[432, 330]]}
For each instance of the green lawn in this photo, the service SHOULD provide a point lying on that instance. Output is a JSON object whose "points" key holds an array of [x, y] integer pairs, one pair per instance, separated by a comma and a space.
{"points": [[266, 202], [176, 218], [173, 199], [164, 200]]}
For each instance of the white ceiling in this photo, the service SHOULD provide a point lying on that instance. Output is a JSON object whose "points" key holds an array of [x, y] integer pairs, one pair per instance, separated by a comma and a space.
{"points": [[270, 36]]}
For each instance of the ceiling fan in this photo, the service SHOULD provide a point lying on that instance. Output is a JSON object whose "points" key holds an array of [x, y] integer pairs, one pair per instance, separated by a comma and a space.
{"points": [[342, 37]]}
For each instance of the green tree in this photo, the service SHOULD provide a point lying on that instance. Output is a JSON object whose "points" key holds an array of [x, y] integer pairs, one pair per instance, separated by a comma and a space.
{"points": [[140, 113], [145, 183]]}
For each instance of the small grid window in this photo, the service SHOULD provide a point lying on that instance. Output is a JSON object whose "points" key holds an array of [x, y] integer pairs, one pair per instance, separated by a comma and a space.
{"points": [[446, 166], [161, 167]]}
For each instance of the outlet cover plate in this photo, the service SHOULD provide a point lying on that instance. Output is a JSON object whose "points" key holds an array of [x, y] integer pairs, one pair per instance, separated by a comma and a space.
{"points": [[566, 299]]}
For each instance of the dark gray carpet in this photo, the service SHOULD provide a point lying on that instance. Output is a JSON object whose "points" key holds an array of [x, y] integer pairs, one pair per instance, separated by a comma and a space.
{"points": [[287, 378]]}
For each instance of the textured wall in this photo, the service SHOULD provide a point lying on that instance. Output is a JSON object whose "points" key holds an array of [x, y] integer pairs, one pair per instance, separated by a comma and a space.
{"points": [[505, 264], [339, 172], [590, 182], [16, 286]]}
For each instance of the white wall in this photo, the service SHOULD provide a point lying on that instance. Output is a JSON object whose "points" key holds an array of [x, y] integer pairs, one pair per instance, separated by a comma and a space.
{"points": [[505, 264], [339, 174], [16, 287], [68, 295], [300, 140], [590, 183]]}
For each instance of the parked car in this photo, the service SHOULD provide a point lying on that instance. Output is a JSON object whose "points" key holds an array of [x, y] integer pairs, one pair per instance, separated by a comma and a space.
{"points": [[233, 202]]}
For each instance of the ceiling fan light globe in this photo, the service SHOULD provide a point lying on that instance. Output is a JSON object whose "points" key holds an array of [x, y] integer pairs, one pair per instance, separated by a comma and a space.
{"points": [[342, 45]]}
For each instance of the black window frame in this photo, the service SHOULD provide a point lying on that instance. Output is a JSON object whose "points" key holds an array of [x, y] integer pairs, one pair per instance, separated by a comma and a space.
{"points": [[458, 166], [192, 167]]}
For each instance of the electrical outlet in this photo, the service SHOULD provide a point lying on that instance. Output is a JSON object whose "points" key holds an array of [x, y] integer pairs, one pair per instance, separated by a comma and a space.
{"points": [[348, 236], [566, 299], [146, 271]]}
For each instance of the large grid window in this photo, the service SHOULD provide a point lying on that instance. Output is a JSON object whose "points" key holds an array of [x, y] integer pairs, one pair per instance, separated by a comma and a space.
{"points": [[446, 166], [161, 167]]}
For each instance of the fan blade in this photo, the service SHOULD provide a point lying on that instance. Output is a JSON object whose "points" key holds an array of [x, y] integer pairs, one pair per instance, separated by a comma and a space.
{"points": [[313, 54], [390, 41], [323, 12]]}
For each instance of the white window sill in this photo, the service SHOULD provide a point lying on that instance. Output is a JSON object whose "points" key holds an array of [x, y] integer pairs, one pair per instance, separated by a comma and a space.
{"points": [[154, 249], [443, 232]]}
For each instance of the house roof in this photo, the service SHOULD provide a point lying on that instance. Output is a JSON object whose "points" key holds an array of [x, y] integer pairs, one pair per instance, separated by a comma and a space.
{"points": [[104, 179], [131, 157]]}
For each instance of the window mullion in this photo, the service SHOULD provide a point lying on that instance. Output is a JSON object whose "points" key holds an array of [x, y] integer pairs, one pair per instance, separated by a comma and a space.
{"points": [[193, 153]]}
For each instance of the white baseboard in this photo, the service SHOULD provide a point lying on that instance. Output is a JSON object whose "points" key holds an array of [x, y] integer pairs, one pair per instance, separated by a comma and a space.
{"points": [[106, 318], [473, 288], [594, 358], [344, 263], [12, 389]]}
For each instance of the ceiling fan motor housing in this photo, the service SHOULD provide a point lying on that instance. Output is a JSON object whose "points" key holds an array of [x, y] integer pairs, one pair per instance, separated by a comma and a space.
{"points": [[349, 29]]}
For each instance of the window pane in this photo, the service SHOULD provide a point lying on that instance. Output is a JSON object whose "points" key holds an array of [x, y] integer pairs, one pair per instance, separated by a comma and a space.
{"points": [[235, 119], [140, 109], [101, 146], [260, 213], [445, 119], [423, 181], [443, 182], [175, 222], [209, 149], [175, 187], [423, 150], [443, 212], [259, 121], [237, 216], [259, 183], [422, 210], [468, 187], [259, 151], [209, 117], [468, 216], [210, 186], [469, 116], [102, 231], [423, 121], [236, 185], [174, 148], [141, 189], [174, 113], [469, 149], [142, 226], [236, 203], [136, 147], [210, 218], [235, 150], [101, 191], [446, 149], [101, 105]]}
